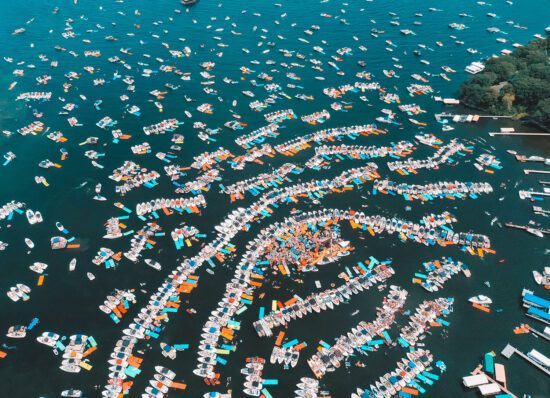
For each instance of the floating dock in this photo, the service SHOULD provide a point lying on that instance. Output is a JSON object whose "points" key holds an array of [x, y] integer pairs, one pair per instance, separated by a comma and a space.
{"points": [[510, 350], [519, 134], [527, 171], [503, 388]]}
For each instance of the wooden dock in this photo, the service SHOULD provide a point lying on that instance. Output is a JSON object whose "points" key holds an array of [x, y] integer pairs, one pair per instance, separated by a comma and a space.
{"points": [[510, 350]]}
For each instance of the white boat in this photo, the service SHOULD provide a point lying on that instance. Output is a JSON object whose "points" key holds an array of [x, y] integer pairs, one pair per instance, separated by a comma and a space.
{"points": [[535, 231], [29, 243], [538, 277], [153, 264], [90, 276], [475, 68], [165, 372], [72, 264], [71, 393], [38, 217], [31, 216], [38, 267], [17, 332], [480, 299]]}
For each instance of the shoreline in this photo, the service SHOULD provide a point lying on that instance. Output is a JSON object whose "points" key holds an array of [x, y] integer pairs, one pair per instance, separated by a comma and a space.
{"points": [[526, 120]]}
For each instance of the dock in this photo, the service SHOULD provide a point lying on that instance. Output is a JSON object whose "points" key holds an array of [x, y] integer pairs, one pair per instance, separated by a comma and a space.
{"points": [[539, 210], [450, 115], [525, 228], [528, 194], [503, 388], [519, 134], [528, 171], [510, 350], [537, 333]]}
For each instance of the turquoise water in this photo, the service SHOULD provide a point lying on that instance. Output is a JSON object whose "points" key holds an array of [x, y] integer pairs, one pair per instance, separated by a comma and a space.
{"points": [[67, 303]]}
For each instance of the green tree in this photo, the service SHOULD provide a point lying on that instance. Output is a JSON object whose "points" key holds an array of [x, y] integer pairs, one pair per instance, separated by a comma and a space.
{"points": [[542, 112]]}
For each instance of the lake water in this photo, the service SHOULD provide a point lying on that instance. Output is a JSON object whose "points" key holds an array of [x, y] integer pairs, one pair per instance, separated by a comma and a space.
{"points": [[68, 302]]}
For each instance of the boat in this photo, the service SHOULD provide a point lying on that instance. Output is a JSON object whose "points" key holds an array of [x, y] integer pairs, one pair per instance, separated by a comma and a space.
{"points": [[31, 216], [153, 264], [38, 267], [48, 338], [534, 231], [480, 299], [475, 68], [17, 332], [72, 264], [188, 2], [29, 243], [58, 242], [90, 276], [38, 217], [165, 372], [71, 393]]}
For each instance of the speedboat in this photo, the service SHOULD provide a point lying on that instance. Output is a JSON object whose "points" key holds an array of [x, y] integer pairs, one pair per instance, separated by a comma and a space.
{"points": [[480, 299], [71, 393], [153, 264]]}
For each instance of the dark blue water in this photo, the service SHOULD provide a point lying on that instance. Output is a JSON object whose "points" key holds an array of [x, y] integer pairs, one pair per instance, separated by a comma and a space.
{"points": [[67, 303]]}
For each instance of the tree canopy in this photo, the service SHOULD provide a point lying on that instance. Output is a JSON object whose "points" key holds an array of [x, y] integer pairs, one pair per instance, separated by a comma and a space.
{"points": [[518, 83]]}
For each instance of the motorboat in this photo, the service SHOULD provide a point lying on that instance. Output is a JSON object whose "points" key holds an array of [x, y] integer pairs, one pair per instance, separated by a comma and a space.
{"points": [[480, 299], [153, 264]]}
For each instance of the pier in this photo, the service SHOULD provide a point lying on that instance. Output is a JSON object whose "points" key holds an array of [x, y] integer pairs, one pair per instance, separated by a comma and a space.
{"points": [[539, 210], [537, 333], [527, 171], [493, 133], [445, 115], [503, 388], [528, 194], [510, 350], [528, 229]]}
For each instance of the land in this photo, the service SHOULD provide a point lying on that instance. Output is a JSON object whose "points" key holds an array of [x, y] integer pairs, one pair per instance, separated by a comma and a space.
{"points": [[517, 84]]}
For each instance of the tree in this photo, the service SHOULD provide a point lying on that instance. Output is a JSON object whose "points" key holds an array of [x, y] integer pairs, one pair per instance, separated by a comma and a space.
{"points": [[513, 84], [542, 112], [540, 71], [529, 89], [504, 70]]}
